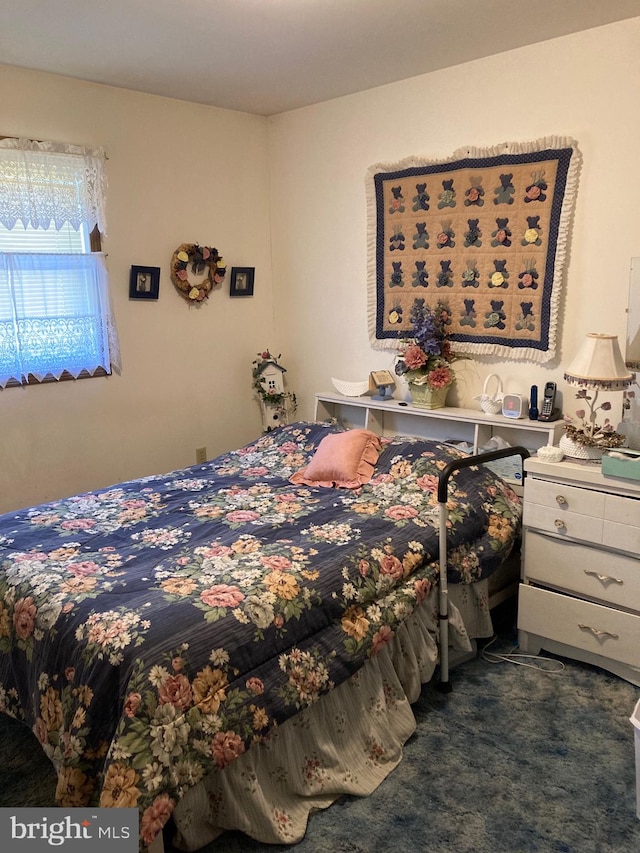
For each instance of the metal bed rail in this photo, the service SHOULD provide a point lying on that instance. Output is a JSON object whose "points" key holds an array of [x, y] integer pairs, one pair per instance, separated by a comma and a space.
{"points": [[443, 491]]}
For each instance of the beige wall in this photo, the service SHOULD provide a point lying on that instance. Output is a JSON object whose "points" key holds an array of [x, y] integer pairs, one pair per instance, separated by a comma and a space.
{"points": [[178, 172], [294, 186], [583, 86]]}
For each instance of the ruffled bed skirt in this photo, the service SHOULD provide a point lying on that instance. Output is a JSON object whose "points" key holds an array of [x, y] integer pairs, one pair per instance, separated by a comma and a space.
{"points": [[346, 743]]}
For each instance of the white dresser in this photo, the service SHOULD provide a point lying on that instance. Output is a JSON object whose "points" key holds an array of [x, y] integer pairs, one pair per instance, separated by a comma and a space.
{"points": [[580, 591]]}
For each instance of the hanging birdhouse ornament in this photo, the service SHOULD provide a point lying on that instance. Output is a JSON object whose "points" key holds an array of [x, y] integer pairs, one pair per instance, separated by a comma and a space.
{"points": [[268, 382], [271, 378]]}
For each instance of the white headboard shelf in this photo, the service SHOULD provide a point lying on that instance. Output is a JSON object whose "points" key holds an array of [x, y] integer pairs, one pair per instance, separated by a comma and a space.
{"points": [[393, 417]]}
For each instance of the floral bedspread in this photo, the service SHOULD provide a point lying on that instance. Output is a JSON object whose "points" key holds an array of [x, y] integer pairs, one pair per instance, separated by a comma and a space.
{"points": [[153, 631]]}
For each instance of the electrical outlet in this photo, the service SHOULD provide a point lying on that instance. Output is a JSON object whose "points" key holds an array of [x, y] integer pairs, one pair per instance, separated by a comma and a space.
{"points": [[201, 454]]}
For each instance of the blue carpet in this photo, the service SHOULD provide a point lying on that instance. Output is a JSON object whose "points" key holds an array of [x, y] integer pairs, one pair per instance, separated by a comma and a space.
{"points": [[514, 760]]}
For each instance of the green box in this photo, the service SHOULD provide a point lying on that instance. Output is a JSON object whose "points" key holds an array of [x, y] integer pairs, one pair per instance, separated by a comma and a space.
{"points": [[621, 462]]}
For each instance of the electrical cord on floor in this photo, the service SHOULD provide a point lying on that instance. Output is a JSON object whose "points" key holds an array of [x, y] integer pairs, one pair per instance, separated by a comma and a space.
{"points": [[548, 665]]}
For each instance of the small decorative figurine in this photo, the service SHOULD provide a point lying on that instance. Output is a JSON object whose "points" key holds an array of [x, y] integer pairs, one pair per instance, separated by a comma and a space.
{"points": [[268, 383]]}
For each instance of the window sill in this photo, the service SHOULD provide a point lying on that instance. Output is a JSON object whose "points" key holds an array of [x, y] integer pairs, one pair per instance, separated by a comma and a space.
{"points": [[64, 377]]}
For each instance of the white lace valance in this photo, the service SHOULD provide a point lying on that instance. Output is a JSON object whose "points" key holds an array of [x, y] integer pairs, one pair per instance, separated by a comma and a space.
{"points": [[48, 182]]}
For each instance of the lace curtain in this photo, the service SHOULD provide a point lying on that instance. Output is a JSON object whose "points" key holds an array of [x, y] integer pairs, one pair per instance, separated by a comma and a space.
{"points": [[46, 182], [55, 316], [55, 309]]}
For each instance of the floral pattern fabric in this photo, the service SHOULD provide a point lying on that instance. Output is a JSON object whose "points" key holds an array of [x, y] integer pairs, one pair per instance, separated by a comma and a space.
{"points": [[152, 632]]}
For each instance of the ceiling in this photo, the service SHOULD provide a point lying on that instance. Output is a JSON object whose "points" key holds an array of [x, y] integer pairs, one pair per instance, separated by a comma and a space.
{"points": [[270, 56]]}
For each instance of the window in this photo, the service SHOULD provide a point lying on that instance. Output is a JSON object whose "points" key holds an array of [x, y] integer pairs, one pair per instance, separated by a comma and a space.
{"points": [[55, 311]]}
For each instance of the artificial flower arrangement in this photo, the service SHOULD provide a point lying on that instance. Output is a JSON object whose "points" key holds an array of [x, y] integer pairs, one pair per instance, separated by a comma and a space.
{"points": [[426, 358], [589, 433]]}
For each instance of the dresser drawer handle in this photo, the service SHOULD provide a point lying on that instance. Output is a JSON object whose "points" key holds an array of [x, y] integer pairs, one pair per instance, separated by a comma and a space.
{"points": [[605, 579], [559, 523], [561, 500], [599, 634]]}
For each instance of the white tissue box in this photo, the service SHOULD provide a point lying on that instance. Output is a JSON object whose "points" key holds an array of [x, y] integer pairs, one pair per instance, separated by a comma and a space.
{"points": [[622, 462]]}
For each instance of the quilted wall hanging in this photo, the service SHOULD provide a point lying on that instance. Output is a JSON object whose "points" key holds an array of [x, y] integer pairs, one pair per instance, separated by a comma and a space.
{"points": [[485, 232]]}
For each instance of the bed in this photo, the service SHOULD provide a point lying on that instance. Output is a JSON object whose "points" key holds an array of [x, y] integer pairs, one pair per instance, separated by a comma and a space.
{"points": [[235, 644]]}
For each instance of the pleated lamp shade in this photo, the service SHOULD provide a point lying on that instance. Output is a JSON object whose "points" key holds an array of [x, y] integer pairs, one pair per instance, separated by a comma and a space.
{"points": [[599, 364]]}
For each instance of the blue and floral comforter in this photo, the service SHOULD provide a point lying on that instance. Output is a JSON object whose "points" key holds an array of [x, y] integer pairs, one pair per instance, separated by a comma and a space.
{"points": [[152, 632]]}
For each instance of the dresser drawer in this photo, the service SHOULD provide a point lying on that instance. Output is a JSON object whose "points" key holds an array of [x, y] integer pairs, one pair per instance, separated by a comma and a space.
{"points": [[582, 570], [565, 510], [591, 627], [588, 528], [622, 523], [566, 498]]}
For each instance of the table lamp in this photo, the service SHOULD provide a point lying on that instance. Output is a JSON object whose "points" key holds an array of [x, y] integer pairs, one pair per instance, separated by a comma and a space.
{"points": [[598, 366]]}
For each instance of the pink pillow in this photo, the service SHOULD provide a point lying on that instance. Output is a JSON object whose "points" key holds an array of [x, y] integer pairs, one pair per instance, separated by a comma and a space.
{"points": [[345, 459]]}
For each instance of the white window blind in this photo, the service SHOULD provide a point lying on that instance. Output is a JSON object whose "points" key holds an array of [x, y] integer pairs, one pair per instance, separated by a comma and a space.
{"points": [[30, 239], [55, 309]]}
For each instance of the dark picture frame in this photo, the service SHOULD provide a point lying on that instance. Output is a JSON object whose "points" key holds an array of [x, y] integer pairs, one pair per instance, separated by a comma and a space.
{"points": [[241, 283], [144, 282]]}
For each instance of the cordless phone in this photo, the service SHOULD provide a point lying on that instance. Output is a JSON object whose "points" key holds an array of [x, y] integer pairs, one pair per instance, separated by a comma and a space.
{"points": [[548, 410]]}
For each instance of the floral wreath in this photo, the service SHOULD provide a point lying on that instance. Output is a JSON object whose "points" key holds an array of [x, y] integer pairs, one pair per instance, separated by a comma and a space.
{"points": [[200, 258]]}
